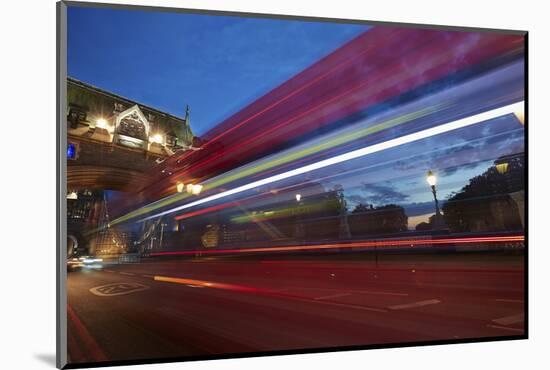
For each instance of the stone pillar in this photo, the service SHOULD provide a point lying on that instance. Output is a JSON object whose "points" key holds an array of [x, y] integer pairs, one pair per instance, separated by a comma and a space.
{"points": [[519, 198]]}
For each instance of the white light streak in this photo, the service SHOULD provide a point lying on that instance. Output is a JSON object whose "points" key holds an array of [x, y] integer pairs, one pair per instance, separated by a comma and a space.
{"points": [[406, 139]]}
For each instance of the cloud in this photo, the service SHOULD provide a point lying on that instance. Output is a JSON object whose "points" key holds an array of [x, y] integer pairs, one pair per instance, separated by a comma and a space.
{"points": [[380, 194], [356, 198], [421, 208]]}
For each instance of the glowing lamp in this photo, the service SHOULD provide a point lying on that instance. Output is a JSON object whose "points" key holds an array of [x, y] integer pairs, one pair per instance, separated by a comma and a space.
{"points": [[101, 123], [431, 178], [180, 186], [502, 168], [197, 189], [157, 138], [189, 188], [298, 197]]}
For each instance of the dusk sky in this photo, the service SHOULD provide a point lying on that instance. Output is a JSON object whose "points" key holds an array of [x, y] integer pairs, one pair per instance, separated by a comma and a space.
{"points": [[220, 64], [215, 64]]}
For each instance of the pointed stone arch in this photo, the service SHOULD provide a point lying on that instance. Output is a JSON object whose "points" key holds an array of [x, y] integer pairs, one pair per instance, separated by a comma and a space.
{"points": [[132, 128]]}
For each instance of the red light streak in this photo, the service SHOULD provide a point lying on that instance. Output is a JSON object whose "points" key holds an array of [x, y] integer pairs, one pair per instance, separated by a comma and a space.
{"points": [[303, 87], [89, 344], [367, 244], [439, 68], [339, 70], [387, 36], [205, 210]]}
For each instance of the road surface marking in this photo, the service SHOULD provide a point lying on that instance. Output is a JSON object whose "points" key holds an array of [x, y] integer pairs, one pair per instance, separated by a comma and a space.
{"points": [[109, 270], [380, 293], [514, 319], [117, 289], [333, 296], [510, 300], [260, 291], [349, 291], [505, 328], [148, 276], [127, 273], [184, 281], [346, 305], [414, 304]]}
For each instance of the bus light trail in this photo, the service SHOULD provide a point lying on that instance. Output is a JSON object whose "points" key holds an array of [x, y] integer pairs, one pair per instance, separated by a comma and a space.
{"points": [[447, 127], [367, 244], [438, 65], [389, 36]]}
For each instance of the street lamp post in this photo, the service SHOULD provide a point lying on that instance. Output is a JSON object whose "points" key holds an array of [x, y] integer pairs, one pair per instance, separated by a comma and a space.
{"points": [[437, 222], [298, 227], [432, 180]]}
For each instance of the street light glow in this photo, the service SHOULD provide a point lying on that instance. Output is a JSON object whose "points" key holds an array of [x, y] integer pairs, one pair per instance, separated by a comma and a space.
{"points": [[101, 123], [157, 138], [502, 168], [298, 197], [197, 189], [180, 186], [431, 178]]}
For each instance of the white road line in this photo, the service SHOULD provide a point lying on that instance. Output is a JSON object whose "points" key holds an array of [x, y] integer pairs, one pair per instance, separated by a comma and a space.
{"points": [[108, 270], [510, 300], [514, 319], [414, 304], [148, 276], [380, 293], [349, 291], [337, 304], [127, 273], [505, 328], [333, 296]]}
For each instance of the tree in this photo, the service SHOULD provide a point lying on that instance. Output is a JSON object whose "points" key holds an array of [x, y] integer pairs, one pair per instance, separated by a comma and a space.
{"points": [[366, 219], [484, 204], [423, 226]]}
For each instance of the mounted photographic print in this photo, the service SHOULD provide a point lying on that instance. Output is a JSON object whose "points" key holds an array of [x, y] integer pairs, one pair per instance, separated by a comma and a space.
{"points": [[235, 185]]}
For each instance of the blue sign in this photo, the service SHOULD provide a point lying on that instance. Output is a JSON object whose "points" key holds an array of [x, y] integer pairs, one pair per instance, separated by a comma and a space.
{"points": [[71, 151]]}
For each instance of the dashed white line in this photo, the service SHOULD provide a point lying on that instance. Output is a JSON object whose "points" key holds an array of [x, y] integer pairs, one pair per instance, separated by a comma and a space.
{"points": [[514, 319], [414, 304], [148, 276], [109, 271], [337, 304], [510, 300], [505, 328], [333, 296], [127, 273], [351, 291], [381, 293]]}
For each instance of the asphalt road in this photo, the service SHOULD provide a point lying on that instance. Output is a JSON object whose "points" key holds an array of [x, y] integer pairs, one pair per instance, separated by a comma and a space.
{"points": [[204, 306]]}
